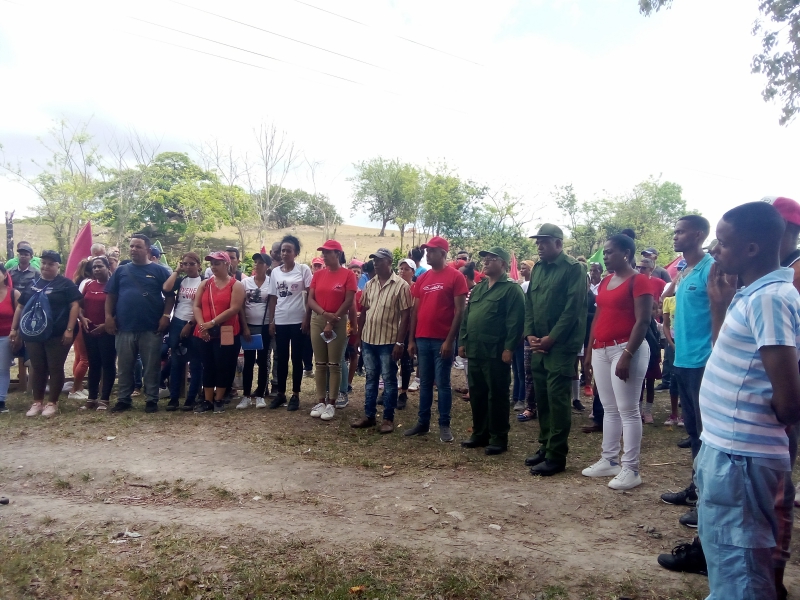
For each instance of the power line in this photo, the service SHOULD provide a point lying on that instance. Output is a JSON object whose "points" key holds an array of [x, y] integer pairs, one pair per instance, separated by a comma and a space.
{"points": [[397, 36], [200, 37], [278, 35]]}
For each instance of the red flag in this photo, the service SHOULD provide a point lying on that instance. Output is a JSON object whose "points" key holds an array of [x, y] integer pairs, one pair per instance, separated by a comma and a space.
{"points": [[514, 272], [263, 250], [81, 248]]}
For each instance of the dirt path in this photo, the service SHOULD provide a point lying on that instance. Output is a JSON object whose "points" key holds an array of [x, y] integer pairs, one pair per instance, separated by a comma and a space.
{"points": [[546, 524]]}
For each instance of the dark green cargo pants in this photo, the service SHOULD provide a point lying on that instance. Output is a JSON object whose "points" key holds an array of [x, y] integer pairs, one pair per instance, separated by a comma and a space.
{"points": [[552, 384], [489, 381]]}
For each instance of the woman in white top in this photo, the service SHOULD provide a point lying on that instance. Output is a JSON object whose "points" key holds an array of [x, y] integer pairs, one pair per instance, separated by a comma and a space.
{"points": [[288, 320], [254, 318], [183, 284]]}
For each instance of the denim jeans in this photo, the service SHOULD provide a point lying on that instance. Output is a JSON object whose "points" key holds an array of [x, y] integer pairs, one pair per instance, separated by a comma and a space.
{"points": [[102, 355], [689, 381], [378, 363], [666, 368], [345, 371], [5, 368], [738, 526], [518, 370], [432, 367], [147, 345], [178, 362]]}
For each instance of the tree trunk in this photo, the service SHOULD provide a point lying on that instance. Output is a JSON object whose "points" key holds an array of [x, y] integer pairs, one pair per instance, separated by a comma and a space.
{"points": [[383, 229], [402, 233], [10, 234]]}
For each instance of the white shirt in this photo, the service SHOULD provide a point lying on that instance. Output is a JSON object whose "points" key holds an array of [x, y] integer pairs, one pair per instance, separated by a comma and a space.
{"points": [[290, 308], [524, 286], [184, 298], [255, 301]]}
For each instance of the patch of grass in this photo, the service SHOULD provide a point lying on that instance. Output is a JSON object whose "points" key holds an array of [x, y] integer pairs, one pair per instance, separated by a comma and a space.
{"points": [[86, 477], [222, 493], [62, 484], [554, 592]]}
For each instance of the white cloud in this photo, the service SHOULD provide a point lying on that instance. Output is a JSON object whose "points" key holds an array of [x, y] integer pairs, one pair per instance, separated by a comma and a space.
{"points": [[571, 91]]}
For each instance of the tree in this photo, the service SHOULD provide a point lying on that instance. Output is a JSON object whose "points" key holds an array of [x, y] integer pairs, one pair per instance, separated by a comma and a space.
{"points": [[277, 156], [779, 60], [384, 188], [445, 199], [66, 184]]}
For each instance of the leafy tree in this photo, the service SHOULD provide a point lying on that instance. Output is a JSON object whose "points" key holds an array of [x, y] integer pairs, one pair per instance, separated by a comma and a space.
{"points": [[384, 188], [66, 184], [779, 59]]}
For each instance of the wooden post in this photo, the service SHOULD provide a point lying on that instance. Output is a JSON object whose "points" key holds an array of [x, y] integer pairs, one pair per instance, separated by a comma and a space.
{"points": [[10, 235]]}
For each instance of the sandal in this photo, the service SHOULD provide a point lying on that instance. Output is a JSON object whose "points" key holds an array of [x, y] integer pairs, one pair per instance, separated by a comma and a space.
{"points": [[526, 415], [102, 405], [90, 405]]}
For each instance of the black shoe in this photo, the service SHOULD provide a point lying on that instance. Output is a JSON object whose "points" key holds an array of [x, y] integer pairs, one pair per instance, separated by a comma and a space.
{"points": [[492, 450], [219, 407], [689, 519], [537, 458], [547, 468], [576, 405], [187, 406], [661, 387], [688, 558], [294, 403], [402, 400], [685, 443], [203, 406], [150, 406], [173, 405], [687, 497], [418, 429], [121, 407], [471, 443], [280, 400]]}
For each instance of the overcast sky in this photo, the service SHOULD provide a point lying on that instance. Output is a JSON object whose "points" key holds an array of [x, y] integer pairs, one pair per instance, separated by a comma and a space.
{"points": [[529, 94]]}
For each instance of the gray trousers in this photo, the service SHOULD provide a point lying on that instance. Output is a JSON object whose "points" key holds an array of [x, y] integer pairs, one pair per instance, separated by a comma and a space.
{"points": [[147, 344]]}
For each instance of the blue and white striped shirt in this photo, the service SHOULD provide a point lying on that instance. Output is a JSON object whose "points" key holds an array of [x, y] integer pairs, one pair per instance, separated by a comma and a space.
{"points": [[736, 394]]}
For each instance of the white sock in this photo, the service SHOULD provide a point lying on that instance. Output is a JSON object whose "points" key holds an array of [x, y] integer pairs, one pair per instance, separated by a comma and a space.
{"points": [[576, 389]]}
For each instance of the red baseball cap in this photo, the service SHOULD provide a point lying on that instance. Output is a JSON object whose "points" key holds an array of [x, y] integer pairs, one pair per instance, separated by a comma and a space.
{"points": [[218, 255], [436, 242], [331, 245], [788, 209], [317, 260]]}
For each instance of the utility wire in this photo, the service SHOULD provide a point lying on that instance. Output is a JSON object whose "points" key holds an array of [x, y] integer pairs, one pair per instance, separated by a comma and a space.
{"points": [[398, 36], [200, 37], [278, 35]]}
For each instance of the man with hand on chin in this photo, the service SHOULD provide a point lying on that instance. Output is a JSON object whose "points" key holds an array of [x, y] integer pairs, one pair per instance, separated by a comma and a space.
{"points": [[555, 325], [490, 332]]}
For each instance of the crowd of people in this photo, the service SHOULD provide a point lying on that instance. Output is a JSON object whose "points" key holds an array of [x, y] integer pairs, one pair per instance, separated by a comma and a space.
{"points": [[723, 337]]}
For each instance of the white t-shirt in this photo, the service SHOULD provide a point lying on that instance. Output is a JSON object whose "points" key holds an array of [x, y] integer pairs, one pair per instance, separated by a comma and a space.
{"points": [[524, 285], [184, 298], [290, 308], [255, 301]]}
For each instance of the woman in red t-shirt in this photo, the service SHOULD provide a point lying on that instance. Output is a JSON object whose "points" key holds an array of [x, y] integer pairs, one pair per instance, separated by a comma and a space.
{"points": [[8, 304], [330, 296], [618, 355], [100, 348]]}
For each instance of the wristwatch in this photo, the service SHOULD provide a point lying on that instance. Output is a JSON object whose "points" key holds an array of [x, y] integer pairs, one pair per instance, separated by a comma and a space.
{"points": [[400, 344]]}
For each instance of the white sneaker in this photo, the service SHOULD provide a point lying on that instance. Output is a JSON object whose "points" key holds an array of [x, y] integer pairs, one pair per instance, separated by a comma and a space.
{"points": [[81, 395], [626, 480], [328, 412], [602, 468], [458, 363], [414, 385], [261, 403], [318, 410], [245, 403], [342, 401]]}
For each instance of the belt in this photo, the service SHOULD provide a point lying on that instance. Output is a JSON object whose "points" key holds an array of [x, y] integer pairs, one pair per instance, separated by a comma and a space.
{"points": [[597, 345]]}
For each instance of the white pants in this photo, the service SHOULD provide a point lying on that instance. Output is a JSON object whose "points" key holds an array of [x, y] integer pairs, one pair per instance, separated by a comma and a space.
{"points": [[621, 401]]}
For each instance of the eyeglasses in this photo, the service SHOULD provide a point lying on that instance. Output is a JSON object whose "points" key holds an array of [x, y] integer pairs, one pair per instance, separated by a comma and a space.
{"points": [[188, 264], [488, 259], [641, 267]]}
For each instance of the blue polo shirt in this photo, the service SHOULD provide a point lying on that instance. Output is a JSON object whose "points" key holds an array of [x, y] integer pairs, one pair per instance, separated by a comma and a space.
{"points": [[693, 317], [140, 303]]}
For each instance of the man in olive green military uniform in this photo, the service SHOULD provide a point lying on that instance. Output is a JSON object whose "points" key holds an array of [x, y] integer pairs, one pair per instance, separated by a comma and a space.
{"points": [[555, 324], [490, 332]]}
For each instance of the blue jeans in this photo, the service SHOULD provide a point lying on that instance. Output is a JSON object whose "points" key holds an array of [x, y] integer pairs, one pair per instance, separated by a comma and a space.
{"points": [[689, 381], [432, 367], [737, 522], [518, 370], [378, 363], [345, 371], [179, 356], [5, 368]]}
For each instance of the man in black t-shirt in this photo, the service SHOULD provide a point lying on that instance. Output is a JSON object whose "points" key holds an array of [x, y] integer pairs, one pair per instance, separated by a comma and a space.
{"points": [[138, 315]]}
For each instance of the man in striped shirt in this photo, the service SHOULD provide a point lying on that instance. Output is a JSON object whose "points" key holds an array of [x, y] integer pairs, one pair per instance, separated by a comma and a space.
{"points": [[749, 395]]}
